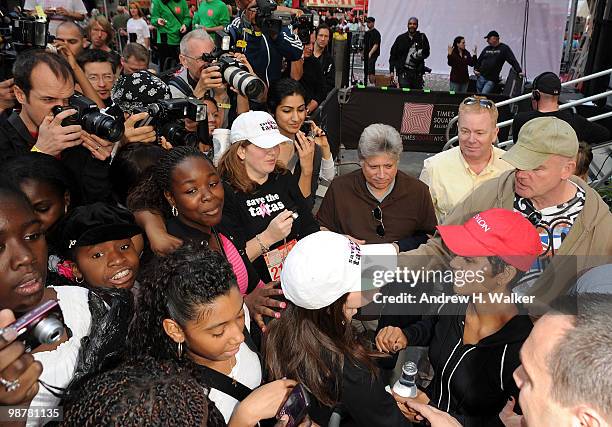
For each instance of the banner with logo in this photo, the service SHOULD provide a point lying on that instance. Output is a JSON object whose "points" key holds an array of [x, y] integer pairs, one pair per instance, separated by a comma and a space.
{"points": [[420, 117]]}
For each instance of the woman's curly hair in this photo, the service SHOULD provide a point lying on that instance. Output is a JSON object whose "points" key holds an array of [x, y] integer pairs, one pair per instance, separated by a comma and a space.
{"points": [[179, 287], [143, 392]]}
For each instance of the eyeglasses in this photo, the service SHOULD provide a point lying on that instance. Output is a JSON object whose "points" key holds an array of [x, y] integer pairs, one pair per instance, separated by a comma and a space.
{"points": [[107, 78], [483, 102], [378, 216]]}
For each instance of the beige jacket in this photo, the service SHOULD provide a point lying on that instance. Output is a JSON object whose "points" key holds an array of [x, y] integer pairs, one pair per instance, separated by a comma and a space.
{"points": [[588, 244]]}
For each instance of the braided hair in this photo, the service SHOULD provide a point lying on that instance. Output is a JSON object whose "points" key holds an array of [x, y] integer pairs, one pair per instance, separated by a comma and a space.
{"points": [[179, 287], [144, 391], [149, 194]]}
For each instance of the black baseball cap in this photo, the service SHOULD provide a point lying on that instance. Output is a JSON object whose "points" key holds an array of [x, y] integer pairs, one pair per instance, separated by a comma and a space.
{"points": [[370, 19], [96, 223], [547, 82], [492, 33]]}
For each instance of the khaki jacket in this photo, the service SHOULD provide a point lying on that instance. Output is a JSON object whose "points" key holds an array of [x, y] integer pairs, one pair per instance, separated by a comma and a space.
{"points": [[588, 244]]}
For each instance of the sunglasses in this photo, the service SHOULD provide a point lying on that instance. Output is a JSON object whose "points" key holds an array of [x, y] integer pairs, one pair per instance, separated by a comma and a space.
{"points": [[485, 103], [378, 216]]}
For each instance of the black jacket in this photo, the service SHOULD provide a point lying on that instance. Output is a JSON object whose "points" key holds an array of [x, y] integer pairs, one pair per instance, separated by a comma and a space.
{"points": [[364, 402], [329, 71], [402, 46], [313, 80], [90, 174], [243, 217], [586, 131], [491, 61], [471, 382]]}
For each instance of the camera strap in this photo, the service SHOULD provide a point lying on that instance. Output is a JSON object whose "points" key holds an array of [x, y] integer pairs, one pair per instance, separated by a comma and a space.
{"points": [[221, 382], [181, 85]]}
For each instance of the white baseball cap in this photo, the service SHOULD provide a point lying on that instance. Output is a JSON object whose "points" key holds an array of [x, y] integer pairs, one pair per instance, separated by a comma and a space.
{"points": [[324, 266], [259, 128]]}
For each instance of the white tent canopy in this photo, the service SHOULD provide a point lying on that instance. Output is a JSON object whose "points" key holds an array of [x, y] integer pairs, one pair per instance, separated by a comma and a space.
{"points": [[443, 20]]}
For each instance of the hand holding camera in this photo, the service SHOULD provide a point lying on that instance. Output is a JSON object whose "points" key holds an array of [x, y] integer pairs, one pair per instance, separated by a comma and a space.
{"points": [[19, 372], [53, 138], [210, 78], [134, 133]]}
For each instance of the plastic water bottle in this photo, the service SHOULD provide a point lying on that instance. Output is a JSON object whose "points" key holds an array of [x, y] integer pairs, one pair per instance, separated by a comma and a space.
{"points": [[406, 385]]}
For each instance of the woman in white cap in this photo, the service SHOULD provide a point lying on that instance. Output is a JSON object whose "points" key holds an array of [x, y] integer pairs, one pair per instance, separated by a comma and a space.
{"points": [[315, 344], [263, 204]]}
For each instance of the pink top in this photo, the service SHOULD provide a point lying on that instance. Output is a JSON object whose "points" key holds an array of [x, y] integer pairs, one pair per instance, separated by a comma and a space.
{"points": [[234, 258]]}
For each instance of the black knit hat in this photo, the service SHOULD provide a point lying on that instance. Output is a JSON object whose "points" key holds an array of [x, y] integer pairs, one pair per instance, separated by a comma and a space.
{"points": [[96, 223], [138, 90]]}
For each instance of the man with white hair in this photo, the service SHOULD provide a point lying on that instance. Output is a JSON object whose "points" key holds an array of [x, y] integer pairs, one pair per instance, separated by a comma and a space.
{"points": [[196, 74], [378, 203]]}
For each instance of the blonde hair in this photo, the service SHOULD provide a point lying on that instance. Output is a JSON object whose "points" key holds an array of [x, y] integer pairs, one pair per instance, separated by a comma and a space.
{"points": [[477, 108], [106, 26]]}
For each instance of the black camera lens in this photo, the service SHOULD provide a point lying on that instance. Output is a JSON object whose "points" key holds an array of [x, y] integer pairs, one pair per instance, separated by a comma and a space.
{"points": [[176, 134], [103, 125]]}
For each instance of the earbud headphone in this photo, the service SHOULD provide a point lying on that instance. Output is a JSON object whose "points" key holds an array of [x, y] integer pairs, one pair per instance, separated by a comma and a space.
{"points": [[535, 94]]}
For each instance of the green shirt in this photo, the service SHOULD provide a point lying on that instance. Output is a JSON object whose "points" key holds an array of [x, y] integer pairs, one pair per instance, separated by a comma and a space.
{"points": [[176, 14], [211, 13]]}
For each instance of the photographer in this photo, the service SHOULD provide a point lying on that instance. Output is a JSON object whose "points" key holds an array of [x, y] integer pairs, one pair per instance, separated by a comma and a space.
{"points": [[44, 80], [408, 55], [199, 78], [264, 49], [126, 94], [196, 77]]}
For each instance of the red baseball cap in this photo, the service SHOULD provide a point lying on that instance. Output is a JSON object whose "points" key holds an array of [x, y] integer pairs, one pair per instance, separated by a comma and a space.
{"points": [[495, 232]]}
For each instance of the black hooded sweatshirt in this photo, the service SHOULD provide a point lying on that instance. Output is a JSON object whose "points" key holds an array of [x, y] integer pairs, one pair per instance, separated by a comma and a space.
{"points": [[471, 382]]}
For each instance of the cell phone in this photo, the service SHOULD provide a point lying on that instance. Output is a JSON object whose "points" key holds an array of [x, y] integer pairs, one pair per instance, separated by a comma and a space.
{"points": [[307, 127], [133, 37], [41, 325], [296, 406]]}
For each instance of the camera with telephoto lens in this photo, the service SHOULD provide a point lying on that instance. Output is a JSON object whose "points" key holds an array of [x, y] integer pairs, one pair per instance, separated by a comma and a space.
{"points": [[20, 32], [41, 325], [90, 118], [234, 72], [167, 117]]}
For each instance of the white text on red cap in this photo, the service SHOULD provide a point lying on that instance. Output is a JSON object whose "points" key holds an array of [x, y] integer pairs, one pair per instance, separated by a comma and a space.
{"points": [[482, 223]]}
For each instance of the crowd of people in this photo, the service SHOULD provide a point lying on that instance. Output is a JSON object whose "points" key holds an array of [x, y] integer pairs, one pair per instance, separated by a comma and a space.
{"points": [[169, 222]]}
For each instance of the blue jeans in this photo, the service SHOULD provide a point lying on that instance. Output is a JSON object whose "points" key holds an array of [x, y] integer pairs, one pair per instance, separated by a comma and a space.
{"points": [[458, 87], [484, 86]]}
